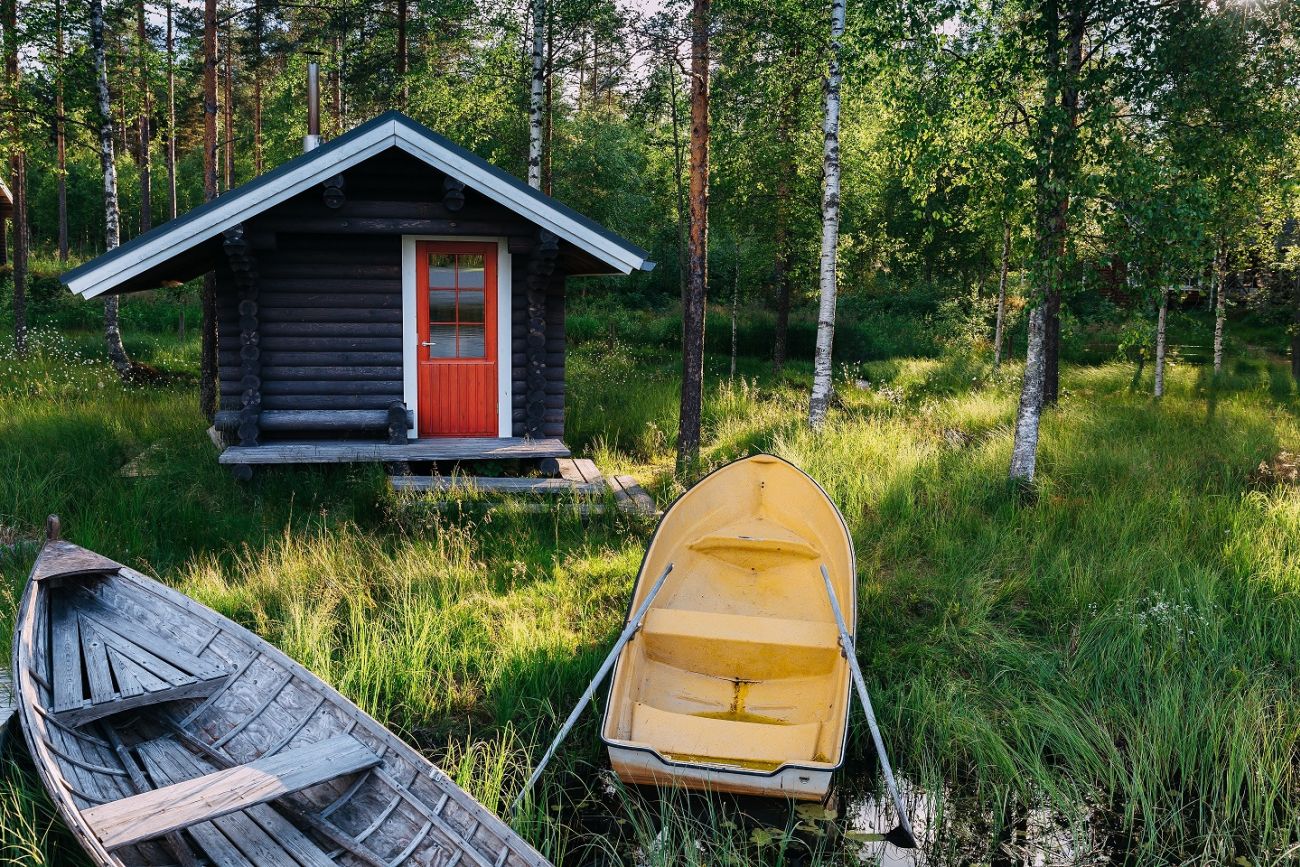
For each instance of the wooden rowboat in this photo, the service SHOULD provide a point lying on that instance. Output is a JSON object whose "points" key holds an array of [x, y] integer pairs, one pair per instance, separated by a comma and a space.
{"points": [[167, 734], [736, 681]]}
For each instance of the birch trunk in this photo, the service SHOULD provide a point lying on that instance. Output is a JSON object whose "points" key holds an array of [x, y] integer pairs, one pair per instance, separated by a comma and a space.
{"points": [[208, 297], [1002, 294], [112, 333], [142, 122], [1220, 313], [1161, 318], [1024, 452], [688, 431], [535, 96], [18, 176], [171, 121], [60, 135], [822, 365]]}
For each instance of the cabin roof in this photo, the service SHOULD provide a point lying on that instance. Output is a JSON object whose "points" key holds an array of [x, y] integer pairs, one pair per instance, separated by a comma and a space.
{"points": [[392, 129], [6, 201]]}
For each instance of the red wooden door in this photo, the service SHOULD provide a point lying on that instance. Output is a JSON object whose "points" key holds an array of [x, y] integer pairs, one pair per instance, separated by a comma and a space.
{"points": [[456, 293]]}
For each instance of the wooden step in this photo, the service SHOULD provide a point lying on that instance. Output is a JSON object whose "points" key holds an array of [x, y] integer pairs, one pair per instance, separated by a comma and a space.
{"points": [[429, 449], [740, 646], [494, 485], [181, 804], [689, 737]]}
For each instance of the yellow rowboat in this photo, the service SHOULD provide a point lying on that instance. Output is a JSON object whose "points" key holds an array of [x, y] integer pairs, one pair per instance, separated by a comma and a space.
{"points": [[736, 681]]}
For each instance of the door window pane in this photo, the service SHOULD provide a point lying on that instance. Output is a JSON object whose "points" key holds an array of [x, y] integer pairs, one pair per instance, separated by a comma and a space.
{"points": [[442, 340], [471, 305], [472, 343], [471, 271], [442, 270], [442, 305]]}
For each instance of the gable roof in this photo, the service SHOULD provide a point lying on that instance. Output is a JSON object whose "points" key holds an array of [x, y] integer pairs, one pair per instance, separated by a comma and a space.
{"points": [[390, 130]]}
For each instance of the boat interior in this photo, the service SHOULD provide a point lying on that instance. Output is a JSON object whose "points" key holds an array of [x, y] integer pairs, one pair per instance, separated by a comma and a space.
{"points": [[738, 661]]}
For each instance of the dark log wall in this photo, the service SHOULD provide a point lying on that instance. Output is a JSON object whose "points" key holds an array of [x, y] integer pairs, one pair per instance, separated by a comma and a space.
{"points": [[329, 297]]}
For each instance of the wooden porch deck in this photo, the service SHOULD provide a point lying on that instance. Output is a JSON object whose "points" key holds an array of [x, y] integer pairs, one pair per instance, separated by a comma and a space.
{"points": [[431, 449]]}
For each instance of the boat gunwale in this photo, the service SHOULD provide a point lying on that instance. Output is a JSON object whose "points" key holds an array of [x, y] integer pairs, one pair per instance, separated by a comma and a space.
{"points": [[24, 644], [784, 767]]}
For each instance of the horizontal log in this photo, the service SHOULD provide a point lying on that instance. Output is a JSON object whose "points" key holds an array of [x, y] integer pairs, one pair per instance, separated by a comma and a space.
{"points": [[391, 390], [326, 358], [551, 401], [316, 300], [355, 372], [316, 420], [553, 359], [318, 285], [325, 225], [332, 329], [421, 210], [295, 343], [328, 401], [519, 344], [283, 269], [331, 314]]}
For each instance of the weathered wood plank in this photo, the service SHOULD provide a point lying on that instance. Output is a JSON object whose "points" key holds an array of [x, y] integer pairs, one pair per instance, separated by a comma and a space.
{"points": [[433, 449], [312, 419], [494, 485], [630, 496], [65, 651], [182, 804], [63, 558], [94, 654], [109, 621]]}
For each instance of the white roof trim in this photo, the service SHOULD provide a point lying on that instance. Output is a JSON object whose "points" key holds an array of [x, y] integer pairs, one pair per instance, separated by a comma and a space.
{"points": [[97, 278]]}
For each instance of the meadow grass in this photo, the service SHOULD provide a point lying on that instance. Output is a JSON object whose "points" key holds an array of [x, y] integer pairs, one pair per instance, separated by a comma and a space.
{"points": [[1118, 647]]}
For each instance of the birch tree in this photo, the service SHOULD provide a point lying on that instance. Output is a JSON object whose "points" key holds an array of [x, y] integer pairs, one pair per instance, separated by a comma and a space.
{"points": [[112, 333], [822, 361], [536, 95], [1220, 309], [688, 430], [60, 135], [18, 176]]}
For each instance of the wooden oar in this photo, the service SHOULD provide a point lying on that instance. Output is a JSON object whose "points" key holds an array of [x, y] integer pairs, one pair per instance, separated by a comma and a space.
{"points": [[633, 624], [902, 835]]}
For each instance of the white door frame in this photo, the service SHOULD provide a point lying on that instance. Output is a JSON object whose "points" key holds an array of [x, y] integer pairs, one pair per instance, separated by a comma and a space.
{"points": [[410, 361]]}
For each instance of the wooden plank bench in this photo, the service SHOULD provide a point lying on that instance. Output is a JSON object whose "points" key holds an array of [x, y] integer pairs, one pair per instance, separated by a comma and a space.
{"points": [[190, 802]]}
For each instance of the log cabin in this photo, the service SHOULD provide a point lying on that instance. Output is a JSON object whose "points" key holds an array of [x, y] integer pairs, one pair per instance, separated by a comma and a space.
{"points": [[386, 296]]}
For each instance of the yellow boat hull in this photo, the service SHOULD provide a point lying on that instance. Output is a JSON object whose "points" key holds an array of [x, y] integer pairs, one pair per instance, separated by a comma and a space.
{"points": [[736, 681]]}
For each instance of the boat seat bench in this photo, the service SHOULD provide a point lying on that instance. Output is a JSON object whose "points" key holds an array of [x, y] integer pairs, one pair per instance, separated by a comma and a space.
{"points": [[679, 734], [189, 802], [735, 645]]}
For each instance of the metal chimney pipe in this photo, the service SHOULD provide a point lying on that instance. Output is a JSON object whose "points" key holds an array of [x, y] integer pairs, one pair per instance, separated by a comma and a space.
{"points": [[311, 140]]}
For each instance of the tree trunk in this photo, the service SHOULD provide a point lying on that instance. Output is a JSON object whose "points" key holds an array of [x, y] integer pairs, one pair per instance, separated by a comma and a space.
{"points": [[18, 176], [112, 333], [822, 364], [535, 96], [548, 135], [781, 228], [688, 431], [1295, 327], [336, 95], [735, 305], [1024, 451], [228, 109], [1002, 293], [171, 120], [60, 135], [142, 122], [682, 217], [257, 88], [208, 298], [403, 89], [1161, 318], [1220, 312]]}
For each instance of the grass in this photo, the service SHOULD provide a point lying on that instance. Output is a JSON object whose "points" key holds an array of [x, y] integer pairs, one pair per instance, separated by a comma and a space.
{"points": [[1118, 652]]}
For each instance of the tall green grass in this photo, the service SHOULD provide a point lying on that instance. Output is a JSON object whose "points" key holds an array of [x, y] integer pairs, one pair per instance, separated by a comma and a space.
{"points": [[1120, 649]]}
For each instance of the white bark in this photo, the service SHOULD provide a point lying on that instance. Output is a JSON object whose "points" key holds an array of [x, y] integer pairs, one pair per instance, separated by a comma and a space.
{"points": [[735, 305], [1002, 294], [112, 334], [1161, 318], [1220, 313], [535, 96], [1024, 451], [822, 367]]}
